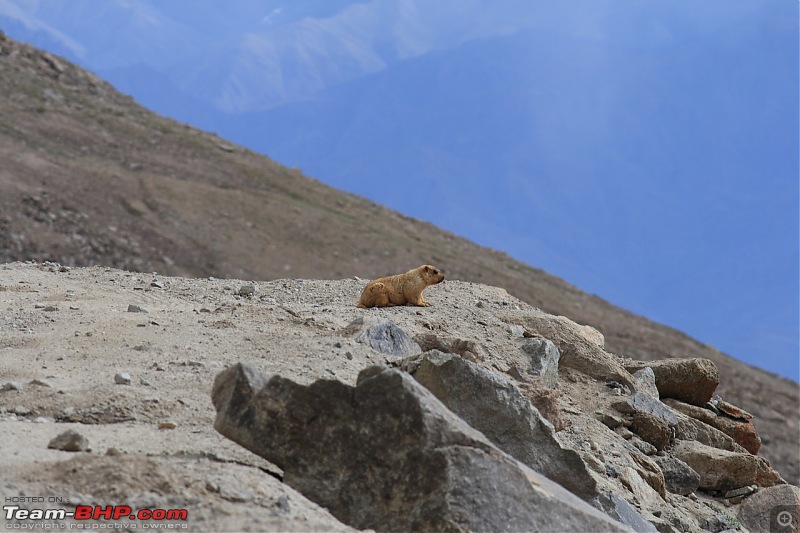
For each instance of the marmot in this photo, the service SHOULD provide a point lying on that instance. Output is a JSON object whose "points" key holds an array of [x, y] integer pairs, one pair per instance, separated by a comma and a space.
{"points": [[400, 289]]}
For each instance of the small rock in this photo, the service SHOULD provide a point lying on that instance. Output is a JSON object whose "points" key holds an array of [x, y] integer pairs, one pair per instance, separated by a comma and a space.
{"points": [[74, 307], [679, 478], [718, 469], [12, 385], [50, 309], [157, 284], [283, 504], [644, 447], [646, 382], [593, 462], [247, 290], [132, 308], [545, 399], [468, 349], [740, 429], [652, 429], [167, 425], [122, 378], [113, 451], [21, 410], [544, 356], [618, 388], [689, 428], [692, 380], [744, 491], [515, 330], [40, 383], [383, 336], [610, 420], [644, 403], [624, 512], [69, 441]]}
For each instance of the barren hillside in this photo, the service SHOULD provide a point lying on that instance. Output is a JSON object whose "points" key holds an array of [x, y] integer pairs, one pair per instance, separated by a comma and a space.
{"points": [[88, 177]]}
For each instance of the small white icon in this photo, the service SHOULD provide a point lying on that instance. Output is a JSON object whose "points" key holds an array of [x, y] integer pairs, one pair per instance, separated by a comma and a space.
{"points": [[785, 519]]}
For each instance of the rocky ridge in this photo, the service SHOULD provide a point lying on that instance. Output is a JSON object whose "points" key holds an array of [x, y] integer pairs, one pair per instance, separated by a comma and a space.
{"points": [[497, 379]]}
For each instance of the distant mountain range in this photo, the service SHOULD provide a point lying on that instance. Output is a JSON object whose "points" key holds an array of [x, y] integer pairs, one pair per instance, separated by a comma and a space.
{"points": [[646, 152]]}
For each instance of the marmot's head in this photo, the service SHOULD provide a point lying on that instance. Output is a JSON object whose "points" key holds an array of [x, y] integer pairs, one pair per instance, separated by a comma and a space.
{"points": [[431, 274]]}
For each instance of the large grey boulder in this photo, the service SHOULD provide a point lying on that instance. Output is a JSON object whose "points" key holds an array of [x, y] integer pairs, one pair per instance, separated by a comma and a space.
{"points": [[387, 455], [492, 404]]}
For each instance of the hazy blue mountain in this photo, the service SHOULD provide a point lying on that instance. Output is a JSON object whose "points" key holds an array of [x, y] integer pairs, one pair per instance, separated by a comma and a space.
{"points": [[645, 151]]}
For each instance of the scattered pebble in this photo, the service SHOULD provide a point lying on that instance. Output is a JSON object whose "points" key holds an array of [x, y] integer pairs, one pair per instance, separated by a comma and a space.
{"points": [[283, 504], [21, 410], [132, 308], [41, 383], [247, 290], [157, 284], [122, 378], [167, 425], [12, 385]]}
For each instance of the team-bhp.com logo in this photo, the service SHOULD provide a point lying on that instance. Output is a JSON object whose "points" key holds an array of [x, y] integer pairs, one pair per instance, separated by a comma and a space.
{"points": [[16, 516]]}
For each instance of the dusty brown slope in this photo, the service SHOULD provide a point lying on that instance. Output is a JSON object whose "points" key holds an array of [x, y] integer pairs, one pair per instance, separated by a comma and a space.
{"points": [[89, 177]]}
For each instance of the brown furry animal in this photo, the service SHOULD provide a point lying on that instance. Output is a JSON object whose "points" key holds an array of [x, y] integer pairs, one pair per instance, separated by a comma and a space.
{"points": [[400, 289]]}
